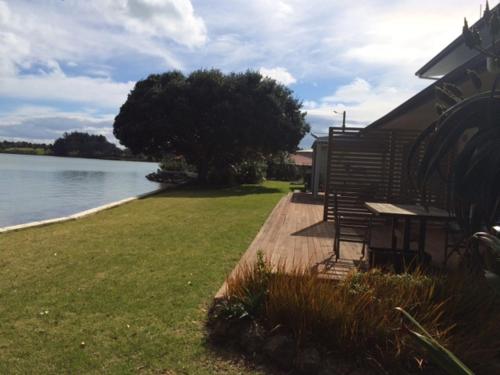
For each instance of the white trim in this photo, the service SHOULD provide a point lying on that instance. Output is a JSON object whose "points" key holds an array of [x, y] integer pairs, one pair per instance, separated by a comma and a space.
{"points": [[81, 214]]}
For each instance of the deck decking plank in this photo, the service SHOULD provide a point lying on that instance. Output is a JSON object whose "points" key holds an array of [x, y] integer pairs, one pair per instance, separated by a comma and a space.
{"points": [[295, 235]]}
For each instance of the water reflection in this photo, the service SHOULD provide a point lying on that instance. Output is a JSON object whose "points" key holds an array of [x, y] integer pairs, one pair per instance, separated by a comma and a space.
{"points": [[38, 187]]}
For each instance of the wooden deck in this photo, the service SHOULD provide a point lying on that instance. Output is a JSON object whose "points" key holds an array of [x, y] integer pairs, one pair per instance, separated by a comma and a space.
{"points": [[295, 236]]}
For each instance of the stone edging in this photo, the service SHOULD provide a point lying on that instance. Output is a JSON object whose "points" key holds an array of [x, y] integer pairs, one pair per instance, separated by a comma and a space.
{"points": [[81, 214]]}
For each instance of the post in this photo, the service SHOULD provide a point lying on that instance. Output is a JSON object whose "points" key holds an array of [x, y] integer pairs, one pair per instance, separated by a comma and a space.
{"points": [[343, 122]]}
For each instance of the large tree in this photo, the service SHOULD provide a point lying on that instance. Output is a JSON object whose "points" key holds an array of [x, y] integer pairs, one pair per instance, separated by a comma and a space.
{"points": [[212, 119]]}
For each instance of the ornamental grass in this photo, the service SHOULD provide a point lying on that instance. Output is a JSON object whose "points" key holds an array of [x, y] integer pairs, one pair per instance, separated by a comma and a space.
{"points": [[356, 318]]}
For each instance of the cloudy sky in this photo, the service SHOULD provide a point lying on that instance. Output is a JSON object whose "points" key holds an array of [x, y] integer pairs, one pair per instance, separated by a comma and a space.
{"points": [[69, 64]]}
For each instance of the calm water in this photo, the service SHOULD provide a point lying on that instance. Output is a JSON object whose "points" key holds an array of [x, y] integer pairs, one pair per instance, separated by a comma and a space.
{"points": [[35, 188]]}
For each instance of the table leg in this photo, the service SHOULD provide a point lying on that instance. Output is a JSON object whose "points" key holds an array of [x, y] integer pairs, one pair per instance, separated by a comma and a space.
{"points": [[406, 235], [394, 238], [421, 238]]}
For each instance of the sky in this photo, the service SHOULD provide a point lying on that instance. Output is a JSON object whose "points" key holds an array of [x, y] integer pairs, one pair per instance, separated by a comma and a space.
{"points": [[68, 65]]}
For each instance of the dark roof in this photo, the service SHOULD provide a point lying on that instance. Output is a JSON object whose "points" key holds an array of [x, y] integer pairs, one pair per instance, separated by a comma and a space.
{"points": [[455, 54], [322, 139], [457, 76], [302, 158]]}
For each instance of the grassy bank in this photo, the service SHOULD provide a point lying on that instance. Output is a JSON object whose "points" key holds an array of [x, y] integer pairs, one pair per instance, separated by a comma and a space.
{"points": [[25, 151], [125, 290]]}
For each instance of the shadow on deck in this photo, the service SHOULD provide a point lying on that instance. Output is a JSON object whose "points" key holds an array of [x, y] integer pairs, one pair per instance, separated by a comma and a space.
{"points": [[295, 236]]}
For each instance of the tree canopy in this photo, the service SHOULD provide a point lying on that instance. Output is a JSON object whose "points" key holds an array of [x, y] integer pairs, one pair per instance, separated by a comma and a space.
{"points": [[212, 119], [85, 145]]}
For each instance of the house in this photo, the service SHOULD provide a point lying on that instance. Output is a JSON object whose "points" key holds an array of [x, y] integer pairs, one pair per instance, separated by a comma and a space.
{"points": [[372, 164], [300, 233], [303, 160], [450, 66], [319, 163], [417, 113]]}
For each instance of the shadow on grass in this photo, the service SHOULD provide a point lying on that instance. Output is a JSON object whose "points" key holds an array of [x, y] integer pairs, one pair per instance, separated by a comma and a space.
{"points": [[198, 191], [227, 353]]}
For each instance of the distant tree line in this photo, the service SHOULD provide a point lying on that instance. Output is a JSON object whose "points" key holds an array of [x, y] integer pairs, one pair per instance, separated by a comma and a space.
{"points": [[76, 144], [84, 145], [21, 147]]}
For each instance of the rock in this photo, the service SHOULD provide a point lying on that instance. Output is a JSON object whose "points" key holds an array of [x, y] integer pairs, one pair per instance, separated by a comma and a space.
{"points": [[309, 361], [280, 350], [359, 371], [252, 338], [335, 366], [218, 330], [328, 371]]}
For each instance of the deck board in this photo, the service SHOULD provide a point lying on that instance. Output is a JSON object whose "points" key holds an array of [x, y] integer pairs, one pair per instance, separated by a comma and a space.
{"points": [[295, 235]]}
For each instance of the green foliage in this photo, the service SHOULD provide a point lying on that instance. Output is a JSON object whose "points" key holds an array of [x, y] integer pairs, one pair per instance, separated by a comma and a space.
{"points": [[215, 121], [251, 171], [174, 163], [356, 318], [472, 38], [280, 167], [475, 79], [491, 255], [248, 290], [438, 353]]}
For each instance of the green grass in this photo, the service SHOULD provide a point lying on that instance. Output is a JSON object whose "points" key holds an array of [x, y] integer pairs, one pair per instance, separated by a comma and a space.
{"points": [[132, 283], [26, 151]]}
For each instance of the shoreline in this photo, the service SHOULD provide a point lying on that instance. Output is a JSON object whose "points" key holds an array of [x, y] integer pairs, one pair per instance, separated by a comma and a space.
{"points": [[81, 214], [81, 157]]}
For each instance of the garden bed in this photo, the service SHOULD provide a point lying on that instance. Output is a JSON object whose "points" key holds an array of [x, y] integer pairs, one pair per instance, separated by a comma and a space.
{"points": [[301, 323]]}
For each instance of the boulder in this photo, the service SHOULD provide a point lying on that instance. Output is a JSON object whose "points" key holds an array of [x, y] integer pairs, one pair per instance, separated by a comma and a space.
{"points": [[222, 330], [252, 338], [309, 361], [280, 350]]}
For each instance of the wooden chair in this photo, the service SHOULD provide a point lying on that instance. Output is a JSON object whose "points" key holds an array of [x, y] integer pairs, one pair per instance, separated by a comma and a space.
{"points": [[351, 220]]}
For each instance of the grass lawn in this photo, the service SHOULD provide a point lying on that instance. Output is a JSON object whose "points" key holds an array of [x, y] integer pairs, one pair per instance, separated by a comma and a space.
{"points": [[125, 290]]}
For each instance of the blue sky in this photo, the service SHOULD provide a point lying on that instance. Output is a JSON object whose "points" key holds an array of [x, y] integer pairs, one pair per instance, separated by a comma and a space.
{"points": [[69, 65]]}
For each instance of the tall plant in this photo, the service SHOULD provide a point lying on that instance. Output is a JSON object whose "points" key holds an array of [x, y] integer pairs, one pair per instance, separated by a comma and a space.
{"points": [[468, 131]]}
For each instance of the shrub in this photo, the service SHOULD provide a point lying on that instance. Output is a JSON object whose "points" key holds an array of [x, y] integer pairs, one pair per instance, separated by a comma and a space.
{"points": [[246, 172], [174, 163], [280, 167], [251, 172], [356, 316], [222, 175]]}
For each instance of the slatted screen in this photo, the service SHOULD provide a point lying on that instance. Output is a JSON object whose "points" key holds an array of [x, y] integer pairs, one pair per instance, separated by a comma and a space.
{"points": [[371, 166]]}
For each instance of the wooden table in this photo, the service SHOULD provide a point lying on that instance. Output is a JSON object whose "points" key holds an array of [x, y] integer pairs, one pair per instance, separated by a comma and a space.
{"points": [[408, 212]]}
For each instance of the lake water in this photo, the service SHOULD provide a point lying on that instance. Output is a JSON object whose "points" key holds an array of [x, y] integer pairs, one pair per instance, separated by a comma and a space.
{"points": [[36, 188]]}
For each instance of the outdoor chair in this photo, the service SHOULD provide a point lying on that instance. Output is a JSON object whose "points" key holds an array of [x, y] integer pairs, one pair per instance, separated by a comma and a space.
{"points": [[455, 242], [351, 221]]}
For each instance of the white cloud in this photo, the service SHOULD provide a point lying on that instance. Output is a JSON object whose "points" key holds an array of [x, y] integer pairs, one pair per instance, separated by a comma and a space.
{"points": [[96, 30], [13, 50], [45, 124], [72, 51], [279, 74], [356, 91], [174, 19], [362, 101], [99, 92]]}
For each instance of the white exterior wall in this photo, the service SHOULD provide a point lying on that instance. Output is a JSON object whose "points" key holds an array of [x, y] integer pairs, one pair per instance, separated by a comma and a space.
{"points": [[320, 158]]}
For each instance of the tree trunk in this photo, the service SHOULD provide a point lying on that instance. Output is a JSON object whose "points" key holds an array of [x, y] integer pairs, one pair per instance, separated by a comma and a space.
{"points": [[203, 171]]}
